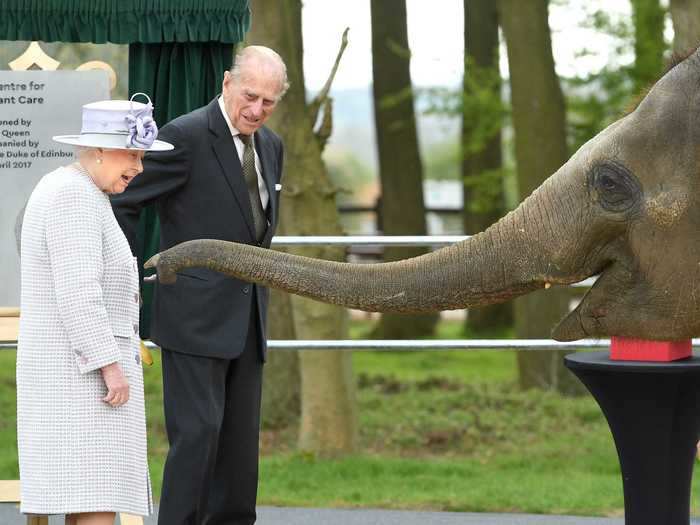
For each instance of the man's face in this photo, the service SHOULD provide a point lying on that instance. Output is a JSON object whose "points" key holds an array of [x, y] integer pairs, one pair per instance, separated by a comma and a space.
{"points": [[250, 100]]}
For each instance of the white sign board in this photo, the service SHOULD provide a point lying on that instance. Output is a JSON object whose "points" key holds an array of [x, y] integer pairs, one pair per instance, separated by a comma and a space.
{"points": [[34, 106]]}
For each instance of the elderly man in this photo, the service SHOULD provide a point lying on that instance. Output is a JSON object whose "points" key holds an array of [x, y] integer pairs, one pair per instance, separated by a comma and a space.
{"points": [[220, 182]]}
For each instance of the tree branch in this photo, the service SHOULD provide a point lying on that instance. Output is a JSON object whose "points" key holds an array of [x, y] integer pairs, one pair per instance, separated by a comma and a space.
{"points": [[326, 127], [318, 101]]}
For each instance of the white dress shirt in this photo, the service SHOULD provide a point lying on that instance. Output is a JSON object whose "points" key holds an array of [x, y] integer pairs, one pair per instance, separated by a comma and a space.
{"points": [[264, 195]]}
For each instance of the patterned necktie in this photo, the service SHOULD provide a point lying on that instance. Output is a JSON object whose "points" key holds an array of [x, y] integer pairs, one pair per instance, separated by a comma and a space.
{"points": [[251, 180]]}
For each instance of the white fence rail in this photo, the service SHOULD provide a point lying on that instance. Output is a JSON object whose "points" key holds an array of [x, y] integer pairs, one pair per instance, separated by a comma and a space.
{"points": [[434, 241], [422, 345]]}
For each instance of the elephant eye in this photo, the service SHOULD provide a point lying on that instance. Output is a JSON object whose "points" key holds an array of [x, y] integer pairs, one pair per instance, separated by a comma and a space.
{"points": [[615, 189], [607, 182]]}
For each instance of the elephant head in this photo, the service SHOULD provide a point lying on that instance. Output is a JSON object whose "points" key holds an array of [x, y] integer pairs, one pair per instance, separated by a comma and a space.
{"points": [[625, 206]]}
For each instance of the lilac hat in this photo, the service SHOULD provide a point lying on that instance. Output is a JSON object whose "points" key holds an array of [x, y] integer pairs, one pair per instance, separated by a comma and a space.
{"points": [[118, 124]]}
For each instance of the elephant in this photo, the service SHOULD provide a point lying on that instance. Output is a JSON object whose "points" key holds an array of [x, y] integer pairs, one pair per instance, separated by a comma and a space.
{"points": [[624, 207]]}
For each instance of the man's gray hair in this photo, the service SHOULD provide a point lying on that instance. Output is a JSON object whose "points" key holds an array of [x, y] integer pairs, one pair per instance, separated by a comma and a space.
{"points": [[264, 54]]}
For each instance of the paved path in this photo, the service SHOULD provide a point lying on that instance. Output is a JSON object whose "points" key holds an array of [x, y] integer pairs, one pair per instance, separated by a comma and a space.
{"points": [[9, 515], [286, 516]]}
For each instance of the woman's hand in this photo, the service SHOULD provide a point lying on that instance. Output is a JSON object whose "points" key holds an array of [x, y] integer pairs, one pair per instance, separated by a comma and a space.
{"points": [[117, 385]]}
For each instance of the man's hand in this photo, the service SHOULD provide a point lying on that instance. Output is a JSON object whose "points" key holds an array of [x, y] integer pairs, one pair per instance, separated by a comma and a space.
{"points": [[117, 385]]}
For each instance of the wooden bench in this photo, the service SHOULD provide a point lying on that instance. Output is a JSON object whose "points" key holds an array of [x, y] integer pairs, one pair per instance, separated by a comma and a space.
{"points": [[9, 493], [9, 324]]}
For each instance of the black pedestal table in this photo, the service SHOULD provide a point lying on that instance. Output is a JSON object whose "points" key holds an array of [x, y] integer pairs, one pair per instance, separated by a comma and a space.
{"points": [[653, 410]]}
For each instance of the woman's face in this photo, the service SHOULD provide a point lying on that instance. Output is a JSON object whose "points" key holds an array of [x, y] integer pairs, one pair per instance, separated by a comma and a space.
{"points": [[118, 168]]}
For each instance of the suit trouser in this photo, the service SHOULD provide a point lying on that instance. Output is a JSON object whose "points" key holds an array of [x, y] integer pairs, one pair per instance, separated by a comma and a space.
{"points": [[212, 417]]}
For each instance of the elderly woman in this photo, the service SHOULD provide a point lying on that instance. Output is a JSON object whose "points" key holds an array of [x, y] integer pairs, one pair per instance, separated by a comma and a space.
{"points": [[81, 426]]}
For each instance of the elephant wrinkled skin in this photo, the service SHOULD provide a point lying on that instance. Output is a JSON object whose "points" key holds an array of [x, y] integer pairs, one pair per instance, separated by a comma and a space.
{"points": [[625, 206]]}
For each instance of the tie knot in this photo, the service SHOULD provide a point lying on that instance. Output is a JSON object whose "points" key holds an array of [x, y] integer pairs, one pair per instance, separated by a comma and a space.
{"points": [[246, 139]]}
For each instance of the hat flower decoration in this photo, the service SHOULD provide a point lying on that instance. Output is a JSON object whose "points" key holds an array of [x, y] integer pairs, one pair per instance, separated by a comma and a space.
{"points": [[118, 124], [141, 126]]}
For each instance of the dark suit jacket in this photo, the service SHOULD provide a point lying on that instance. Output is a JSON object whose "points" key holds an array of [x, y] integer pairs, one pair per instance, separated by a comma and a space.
{"points": [[200, 193]]}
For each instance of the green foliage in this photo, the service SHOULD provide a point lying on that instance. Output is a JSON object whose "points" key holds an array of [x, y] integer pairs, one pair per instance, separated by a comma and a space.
{"points": [[486, 190], [649, 43], [595, 101], [479, 103], [442, 162], [598, 99], [483, 112], [347, 173], [622, 29], [352, 178]]}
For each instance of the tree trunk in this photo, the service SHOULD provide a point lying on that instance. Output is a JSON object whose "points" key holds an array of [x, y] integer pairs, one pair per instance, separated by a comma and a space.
{"points": [[400, 168], [686, 24], [281, 398], [648, 19], [328, 405], [481, 144], [540, 149]]}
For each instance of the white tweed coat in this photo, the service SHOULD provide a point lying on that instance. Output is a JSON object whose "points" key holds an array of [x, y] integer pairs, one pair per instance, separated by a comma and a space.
{"points": [[79, 312]]}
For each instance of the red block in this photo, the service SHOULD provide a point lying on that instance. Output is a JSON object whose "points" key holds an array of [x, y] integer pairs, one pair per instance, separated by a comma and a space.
{"points": [[627, 349]]}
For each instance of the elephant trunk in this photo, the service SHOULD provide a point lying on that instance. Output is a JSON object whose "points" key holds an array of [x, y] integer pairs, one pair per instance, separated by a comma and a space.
{"points": [[522, 252]]}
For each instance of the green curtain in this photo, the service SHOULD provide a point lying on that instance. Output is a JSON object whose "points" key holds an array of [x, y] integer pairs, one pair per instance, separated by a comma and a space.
{"points": [[178, 78], [125, 21], [178, 52]]}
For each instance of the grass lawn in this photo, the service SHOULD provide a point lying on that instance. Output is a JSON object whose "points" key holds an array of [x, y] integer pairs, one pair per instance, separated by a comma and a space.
{"points": [[439, 430]]}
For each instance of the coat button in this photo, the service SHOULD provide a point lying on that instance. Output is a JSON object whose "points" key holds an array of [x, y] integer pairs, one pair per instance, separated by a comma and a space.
{"points": [[78, 352], [246, 289], [136, 298], [137, 359], [136, 329]]}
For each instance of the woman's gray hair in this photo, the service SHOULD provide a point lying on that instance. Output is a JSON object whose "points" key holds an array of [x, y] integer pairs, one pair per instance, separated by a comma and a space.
{"points": [[263, 54], [81, 151]]}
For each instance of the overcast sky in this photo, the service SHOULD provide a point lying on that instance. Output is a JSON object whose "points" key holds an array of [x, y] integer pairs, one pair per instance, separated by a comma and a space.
{"points": [[436, 39]]}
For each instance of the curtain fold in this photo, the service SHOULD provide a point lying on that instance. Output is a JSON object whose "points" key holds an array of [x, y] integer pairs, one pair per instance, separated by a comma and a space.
{"points": [[179, 78], [125, 21]]}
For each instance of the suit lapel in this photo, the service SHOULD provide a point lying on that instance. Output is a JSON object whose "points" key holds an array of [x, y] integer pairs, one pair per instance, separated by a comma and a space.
{"points": [[225, 152]]}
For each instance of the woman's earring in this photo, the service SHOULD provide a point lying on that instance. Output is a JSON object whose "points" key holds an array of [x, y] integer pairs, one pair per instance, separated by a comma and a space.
{"points": [[99, 161]]}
